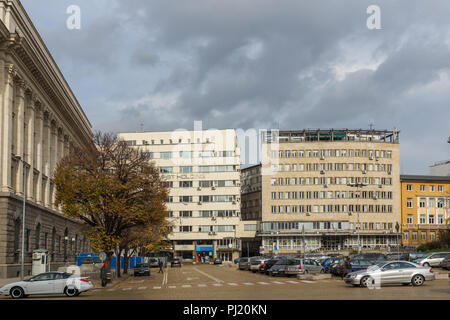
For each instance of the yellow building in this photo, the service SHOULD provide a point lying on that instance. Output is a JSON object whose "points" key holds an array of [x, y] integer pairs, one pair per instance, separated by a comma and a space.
{"points": [[425, 207]]}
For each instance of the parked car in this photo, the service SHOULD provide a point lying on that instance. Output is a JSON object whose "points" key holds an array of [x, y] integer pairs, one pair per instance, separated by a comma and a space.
{"points": [[445, 263], [48, 283], [236, 261], [279, 267], [392, 272], [370, 256], [175, 262], [264, 268], [433, 259], [153, 263], [256, 262], [217, 261], [141, 269], [413, 256], [244, 264], [357, 265], [330, 262], [397, 256], [303, 266]]}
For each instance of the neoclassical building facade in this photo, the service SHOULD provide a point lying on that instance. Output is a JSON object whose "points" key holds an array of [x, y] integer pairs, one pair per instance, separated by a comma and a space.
{"points": [[40, 119]]}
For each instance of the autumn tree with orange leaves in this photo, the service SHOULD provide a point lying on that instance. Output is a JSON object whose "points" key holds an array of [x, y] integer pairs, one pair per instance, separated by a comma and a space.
{"points": [[115, 191]]}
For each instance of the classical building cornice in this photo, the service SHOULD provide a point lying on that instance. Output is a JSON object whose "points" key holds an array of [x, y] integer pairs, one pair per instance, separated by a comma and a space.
{"points": [[20, 40]]}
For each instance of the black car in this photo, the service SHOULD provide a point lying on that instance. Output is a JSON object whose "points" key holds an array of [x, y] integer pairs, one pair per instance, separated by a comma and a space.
{"points": [[142, 269], [264, 268], [176, 262], [217, 261]]}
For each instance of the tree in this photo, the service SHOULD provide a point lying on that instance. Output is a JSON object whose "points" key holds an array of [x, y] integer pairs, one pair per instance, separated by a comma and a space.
{"points": [[111, 189]]}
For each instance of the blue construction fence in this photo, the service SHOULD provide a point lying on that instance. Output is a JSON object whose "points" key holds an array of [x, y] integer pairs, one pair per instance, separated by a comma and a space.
{"points": [[90, 258]]}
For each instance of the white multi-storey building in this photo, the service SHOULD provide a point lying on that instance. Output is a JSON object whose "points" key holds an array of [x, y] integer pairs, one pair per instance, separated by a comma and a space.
{"points": [[202, 170]]}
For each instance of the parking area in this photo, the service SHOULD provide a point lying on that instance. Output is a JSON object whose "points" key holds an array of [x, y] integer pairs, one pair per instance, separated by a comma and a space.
{"points": [[223, 282]]}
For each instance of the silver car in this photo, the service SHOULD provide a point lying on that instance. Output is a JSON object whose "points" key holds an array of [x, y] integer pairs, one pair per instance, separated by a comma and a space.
{"points": [[48, 283], [432, 259], [256, 262], [445, 263], [391, 272], [244, 264], [303, 266]]}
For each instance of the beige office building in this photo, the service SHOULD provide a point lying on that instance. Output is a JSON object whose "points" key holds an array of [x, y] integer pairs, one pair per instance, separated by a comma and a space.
{"points": [[40, 118], [202, 170], [319, 185]]}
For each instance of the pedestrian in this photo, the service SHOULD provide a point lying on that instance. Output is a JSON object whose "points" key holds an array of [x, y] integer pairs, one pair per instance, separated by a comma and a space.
{"points": [[347, 267], [103, 275], [160, 264]]}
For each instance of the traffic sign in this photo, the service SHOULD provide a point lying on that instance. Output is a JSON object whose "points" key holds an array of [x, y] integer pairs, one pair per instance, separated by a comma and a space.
{"points": [[102, 256]]}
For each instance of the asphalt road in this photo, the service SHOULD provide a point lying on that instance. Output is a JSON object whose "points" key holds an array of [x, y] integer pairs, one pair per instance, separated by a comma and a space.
{"points": [[222, 282]]}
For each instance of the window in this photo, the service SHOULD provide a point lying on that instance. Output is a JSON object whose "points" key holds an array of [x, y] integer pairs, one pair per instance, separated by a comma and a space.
{"points": [[147, 155], [166, 169], [422, 218], [422, 203], [431, 219], [186, 169], [409, 219], [409, 203], [422, 187], [432, 236], [440, 188], [414, 235], [186, 154], [166, 155], [169, 214], [185, 184], [440, 219], [249, 227], [186, 214], [423, 236], [405, 236], [186, 199], [185, 228], [432, 188]]}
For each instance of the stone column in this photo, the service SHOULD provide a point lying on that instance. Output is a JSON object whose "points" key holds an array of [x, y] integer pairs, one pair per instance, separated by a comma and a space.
{"points": [[7, 127], [30, 146], [39, 125], [46, 156], [20, 137]]}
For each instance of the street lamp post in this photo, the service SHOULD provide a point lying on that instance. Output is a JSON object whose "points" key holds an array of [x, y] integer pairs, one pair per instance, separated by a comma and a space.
{"points": [[397, 227], [303, 233], [357, 186]]}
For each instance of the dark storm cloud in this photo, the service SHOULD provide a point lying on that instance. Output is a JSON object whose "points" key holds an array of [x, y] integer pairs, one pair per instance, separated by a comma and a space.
{"points": [[260, 63]]}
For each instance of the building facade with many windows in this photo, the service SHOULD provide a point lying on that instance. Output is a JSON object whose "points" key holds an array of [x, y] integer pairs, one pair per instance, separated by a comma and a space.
{"points": [[202, 170], [319, 186], [425, 208], [40, 118]]}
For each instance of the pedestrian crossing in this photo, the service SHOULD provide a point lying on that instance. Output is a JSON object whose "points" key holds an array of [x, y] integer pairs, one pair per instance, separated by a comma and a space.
{"points": [[204, 285]]}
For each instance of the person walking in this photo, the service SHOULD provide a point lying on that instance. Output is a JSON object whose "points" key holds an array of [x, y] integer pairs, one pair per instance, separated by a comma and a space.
{"points": [[347, 267], [160, 264], [103, 275]]}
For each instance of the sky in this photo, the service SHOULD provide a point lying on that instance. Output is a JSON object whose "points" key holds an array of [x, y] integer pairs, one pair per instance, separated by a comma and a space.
{"points": [[252, 64]]}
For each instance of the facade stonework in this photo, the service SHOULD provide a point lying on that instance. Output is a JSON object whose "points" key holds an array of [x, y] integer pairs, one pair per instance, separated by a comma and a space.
{"points": [[40, 119]]}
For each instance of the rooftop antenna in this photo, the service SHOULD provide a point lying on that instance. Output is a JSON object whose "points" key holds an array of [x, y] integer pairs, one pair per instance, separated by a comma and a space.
{"points": [[142, 127], [371, 125]]}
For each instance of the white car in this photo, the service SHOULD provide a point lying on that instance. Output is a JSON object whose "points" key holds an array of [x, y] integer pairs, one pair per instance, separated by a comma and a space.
{"points": [[432, 259], [47, 283]]}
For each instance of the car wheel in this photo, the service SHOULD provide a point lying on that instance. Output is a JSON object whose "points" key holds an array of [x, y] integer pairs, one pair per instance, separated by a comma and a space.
{"points": [[366, 281], [70, 292], [418, 280], [426, 264], [17, 293]]}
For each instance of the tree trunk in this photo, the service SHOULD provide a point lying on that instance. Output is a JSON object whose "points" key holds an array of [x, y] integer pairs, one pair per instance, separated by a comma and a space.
{"points": [[125, 261], [118, 253]]}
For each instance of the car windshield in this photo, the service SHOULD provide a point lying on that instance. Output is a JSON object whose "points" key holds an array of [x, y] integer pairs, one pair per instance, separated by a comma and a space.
{"points": [[281, 262], [375, 267], [141, 265]]}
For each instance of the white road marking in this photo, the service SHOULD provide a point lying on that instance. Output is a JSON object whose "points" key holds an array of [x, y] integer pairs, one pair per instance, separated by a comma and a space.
{"points": [[188, 279], [186, 286], [249, 283], [209, 276], [217, 284], [157, 287], [277, 282], [293, 282], [262, 282], [172, 287], [140, 281], [142, 288], [111, 289], [202, 285], [306, 281], [232, 284], [126, 289]]}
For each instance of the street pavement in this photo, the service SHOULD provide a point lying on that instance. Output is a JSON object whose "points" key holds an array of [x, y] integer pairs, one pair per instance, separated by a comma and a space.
{"points": [[225, 282]]}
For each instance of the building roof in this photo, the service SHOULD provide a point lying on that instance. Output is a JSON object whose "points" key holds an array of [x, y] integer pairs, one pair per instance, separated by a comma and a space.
{"points": [[424, 178]]}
